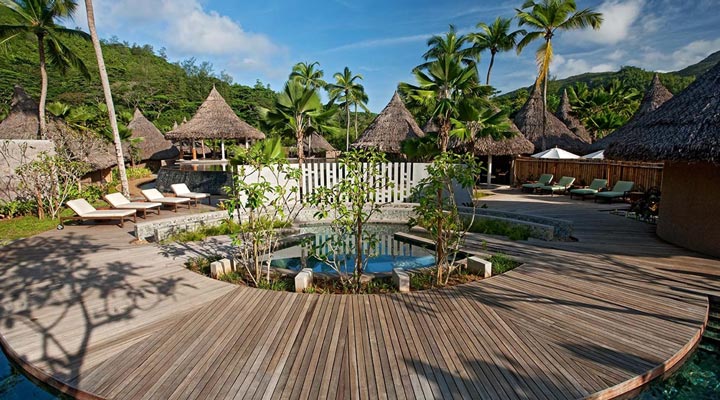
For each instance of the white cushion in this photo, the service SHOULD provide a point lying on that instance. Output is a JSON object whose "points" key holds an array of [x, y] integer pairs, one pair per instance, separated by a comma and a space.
{"points": [[136, 205], [193, 195], [109, 213], [81, 207], [152, 194], [180, 188], [116, 199]]}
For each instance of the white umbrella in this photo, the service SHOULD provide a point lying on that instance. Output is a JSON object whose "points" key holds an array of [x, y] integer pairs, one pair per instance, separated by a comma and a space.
{"points": [[555, 153], [598, 155]]}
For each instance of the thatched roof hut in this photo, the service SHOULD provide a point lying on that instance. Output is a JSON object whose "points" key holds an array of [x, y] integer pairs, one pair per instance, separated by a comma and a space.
{"points": [[153, 146], [655, 96], [23, 123], [530, 122], [390, 128], [314, 143], [685, 133], [564, 114], [488, 146], [215, 120]]}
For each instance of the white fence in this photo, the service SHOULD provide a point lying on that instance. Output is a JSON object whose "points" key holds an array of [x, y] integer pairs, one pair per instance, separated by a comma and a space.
{"points": [[403, 175]]}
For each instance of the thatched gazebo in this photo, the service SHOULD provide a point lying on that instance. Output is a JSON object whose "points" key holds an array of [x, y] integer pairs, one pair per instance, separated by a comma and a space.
{"points": [[153, 146], [390, 128], [23, 123], [530, 122], [655, 96], [216, 120], [565, 114], [684, 133], [314, 143]]}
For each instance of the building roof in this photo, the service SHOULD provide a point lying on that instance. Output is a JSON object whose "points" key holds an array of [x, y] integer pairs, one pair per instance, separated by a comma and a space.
{"points": [[153, 146], [390, 128], [566, 115], [685, 128]]}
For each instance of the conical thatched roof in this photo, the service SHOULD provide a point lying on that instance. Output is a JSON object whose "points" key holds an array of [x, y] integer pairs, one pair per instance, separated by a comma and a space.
{"points": [[153, 146], [685, 128], [565, 115], [318, 143], [23, 123], [655, 96], [530, 122], [390, 128], [515, 145], [215, 120]]}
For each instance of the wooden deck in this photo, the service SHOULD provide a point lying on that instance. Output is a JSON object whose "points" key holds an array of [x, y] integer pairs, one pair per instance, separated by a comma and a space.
{"points": [[87, 311]]}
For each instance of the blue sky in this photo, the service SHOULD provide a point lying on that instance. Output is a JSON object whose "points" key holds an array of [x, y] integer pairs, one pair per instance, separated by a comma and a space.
{"points": [[384, 40]]}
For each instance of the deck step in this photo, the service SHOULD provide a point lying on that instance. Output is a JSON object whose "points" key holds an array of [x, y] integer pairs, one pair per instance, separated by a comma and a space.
{"points": [[708, 340], [708, 346]]}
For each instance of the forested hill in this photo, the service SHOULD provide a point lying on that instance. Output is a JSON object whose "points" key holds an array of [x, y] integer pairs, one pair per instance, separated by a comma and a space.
{"points": [[630, 77], [140, 76]]}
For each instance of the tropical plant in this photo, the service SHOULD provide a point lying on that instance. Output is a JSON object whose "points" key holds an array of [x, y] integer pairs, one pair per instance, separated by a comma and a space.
{"points": [[308, 76], [263, 196], [445, 87], [39, 18], [604, 108], [437, 210], [298, 109], [496, 38], [451, 45], [349, 92], [350, 203], [546, 18]]}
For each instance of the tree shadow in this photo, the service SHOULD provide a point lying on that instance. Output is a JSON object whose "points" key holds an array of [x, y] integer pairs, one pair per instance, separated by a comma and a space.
{"points": [[59, 293]]}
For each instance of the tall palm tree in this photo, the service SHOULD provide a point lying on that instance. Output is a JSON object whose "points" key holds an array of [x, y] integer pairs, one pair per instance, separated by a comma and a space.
{"points": [[546, 17], [38, 18], [452, 45], [496, 38], [108, 98], [308, 75], [446, 86], [298, 108], [360, 99], [346, 89]]}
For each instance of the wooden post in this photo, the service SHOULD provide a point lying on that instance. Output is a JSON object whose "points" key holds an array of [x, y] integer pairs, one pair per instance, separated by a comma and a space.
{"points": [[222, 149], [489, 170]]}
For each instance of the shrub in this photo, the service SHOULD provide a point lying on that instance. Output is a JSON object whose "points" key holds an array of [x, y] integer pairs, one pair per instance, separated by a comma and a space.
{"points": [[497, 227], [201, 264], [132, 173], [17, 208], [502, 263]]}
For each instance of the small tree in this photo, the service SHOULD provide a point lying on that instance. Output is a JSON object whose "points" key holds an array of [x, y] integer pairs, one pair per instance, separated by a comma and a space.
{"points": [[263, 197], [437, 210], [350, 203]]}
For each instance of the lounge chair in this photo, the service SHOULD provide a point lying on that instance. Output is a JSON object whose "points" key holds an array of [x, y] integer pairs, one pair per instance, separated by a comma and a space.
{"points": [[85, 210], [544, 180], [155, 196], [594, 187], [560, 186], [620, 190], [181, 190], [117, 200]]}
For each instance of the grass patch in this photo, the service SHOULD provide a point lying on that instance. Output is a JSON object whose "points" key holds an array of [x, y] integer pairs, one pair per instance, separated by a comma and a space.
{"points": [[479, 194], [201, 264], [30, 225], [502, 263], [498, 227], [227, 227]]}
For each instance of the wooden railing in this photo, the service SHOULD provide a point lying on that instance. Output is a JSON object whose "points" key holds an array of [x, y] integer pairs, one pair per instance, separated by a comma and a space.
{"points": [[645, 175]]}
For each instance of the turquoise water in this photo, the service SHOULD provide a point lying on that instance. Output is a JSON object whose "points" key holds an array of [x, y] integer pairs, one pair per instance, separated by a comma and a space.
{"points": [[15, 386], [388, 254]]}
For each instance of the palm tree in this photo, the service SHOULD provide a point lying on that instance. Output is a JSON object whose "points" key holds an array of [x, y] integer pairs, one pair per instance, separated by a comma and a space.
{"points": [[446, 87], [496, 38], [307, 75], [450, 45], [360, 99], [546, 18], [108, 98], [297, 109], [349, 92], [38, 18]]}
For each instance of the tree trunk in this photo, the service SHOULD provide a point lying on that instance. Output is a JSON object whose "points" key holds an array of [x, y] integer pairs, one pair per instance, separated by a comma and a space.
{"points": [[444, 134], [358, 257], [356, 121], [108, 98], [440, 248], [299, 135], [544, 99], [492, 61], [43, 87], [347, 123]]}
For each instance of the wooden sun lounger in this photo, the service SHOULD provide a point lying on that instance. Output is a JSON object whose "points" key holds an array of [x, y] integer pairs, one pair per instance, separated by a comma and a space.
{"points": [[155, 196], [86, 211], [181, 190], [118, 201]]}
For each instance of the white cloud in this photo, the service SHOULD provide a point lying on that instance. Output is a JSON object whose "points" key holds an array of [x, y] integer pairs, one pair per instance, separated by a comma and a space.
{"points": [[563, 67], [652, 59], [185, 29], [392, 41], [619, 17]]}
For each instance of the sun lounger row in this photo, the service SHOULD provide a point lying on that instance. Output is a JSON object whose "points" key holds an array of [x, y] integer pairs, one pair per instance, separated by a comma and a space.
{"points": [[124, 208], [564, 185]]}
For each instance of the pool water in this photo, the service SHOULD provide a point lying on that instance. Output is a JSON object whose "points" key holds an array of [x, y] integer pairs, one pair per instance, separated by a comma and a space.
{"points": [[389, 253], [15, 386]]}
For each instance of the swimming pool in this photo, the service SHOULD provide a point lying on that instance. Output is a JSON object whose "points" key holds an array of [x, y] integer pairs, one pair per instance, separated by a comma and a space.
{"points": [[388, 254]]}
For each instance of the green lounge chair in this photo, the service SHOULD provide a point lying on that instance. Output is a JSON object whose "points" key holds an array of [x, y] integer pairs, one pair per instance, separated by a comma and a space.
{"points": [[594, 187], [618, 191], [561, 186], [544, 180]]}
